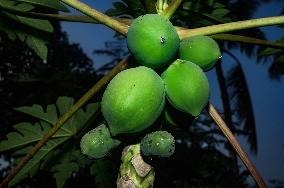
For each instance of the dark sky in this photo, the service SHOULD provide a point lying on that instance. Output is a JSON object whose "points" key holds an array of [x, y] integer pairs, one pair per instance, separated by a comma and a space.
{"points": [[267, 96]]}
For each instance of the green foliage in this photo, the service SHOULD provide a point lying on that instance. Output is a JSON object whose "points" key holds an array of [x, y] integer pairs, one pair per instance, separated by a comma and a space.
{"points": [[103, 170], [61, 155], [28, 134], [207, 12], [64, 169], [276, 68], [32, 31], [52, 4]]}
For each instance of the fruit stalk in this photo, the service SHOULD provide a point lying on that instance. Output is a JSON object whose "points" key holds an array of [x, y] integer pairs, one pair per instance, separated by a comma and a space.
{"points": [[246, 39], [233, 26], [106, 20], [119, 67], [170, 10], [134, 172], [238, 148]]}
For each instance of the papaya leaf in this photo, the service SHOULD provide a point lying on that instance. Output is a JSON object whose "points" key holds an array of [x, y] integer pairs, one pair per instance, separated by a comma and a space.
{"points": [[38, 45], [103, 170], [28, 134], [53, 4], [64, 170], [271, 51], [37, 111], [43, 25], [29, 30], [32, 166], [13, 5]]}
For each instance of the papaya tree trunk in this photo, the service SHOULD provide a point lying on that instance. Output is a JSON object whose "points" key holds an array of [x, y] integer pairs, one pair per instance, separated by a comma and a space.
{"points": [[134, 172]]}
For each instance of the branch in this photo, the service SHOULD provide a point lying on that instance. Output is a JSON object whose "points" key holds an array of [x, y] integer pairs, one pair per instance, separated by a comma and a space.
{"points": [[87, 19], [245, 39], [222, 28], [102, 82], [60, 17], [106, 20], [170, 10], [238, 148]]}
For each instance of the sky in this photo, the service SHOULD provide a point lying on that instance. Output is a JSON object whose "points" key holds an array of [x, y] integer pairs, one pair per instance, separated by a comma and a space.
{"points": [[267, 95]]}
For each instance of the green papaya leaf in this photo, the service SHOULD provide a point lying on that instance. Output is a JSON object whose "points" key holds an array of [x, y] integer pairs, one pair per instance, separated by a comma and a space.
{"points": [[38, 45], [37, 111], [64, 170], [28, 134], [12, 5], [53, 4], [102, 169], [43, 25], [32, 166]]}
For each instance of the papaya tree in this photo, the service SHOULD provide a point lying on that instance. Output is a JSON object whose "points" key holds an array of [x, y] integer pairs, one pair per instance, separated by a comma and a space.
{"points": [[155, 104]]}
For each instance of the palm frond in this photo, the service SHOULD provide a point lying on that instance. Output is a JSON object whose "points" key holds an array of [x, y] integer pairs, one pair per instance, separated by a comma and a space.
{"points": [[241, 104]]}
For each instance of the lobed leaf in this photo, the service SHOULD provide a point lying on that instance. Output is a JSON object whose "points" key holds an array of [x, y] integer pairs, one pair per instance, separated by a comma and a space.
{"points": [[28, 134], [103, 170], [32, 166], [37, 111], [64, 170]]}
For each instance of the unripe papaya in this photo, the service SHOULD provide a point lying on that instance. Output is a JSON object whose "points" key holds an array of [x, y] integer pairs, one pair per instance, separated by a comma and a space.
{"points": [[133, 100], [201, 50], [152, 40], [187, 87], [159, 143], [97, 142]]}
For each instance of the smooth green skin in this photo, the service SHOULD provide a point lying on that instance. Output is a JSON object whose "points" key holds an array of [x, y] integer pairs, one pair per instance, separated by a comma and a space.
{"points": [[159, 143], [187, 87], [152, 40], [97, 142], [201, 50], [133, 100]]}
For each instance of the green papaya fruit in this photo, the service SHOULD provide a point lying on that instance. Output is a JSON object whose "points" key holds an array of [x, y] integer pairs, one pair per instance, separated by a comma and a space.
{"points": [[133, 100], [187, 87], [201, 50], [97, 143], [152, 40], [159, 143]]}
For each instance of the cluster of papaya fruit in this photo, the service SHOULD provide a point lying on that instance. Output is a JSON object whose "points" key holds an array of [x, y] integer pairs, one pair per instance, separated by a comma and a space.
{"points": [[135, 97]]}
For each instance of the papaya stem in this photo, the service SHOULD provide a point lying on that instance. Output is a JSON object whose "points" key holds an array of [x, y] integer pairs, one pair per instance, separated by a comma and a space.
{"points": [[87, 19], [233, 26], [171, 8], [106, 20], [236, 145], [246, 39], [93, 90]]}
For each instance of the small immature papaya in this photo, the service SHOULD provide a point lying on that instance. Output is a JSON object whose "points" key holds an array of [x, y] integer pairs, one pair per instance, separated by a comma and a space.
{"points": [[201, 50], [133, 100], [152, 40], [97, 142], [187, 87], [159, 143]]}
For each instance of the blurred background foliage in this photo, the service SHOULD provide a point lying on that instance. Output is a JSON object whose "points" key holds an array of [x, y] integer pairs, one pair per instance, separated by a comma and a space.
{"points": [[38, 64]]}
